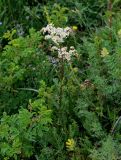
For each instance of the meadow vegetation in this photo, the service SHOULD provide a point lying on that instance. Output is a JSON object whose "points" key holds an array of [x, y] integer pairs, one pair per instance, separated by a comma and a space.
{"points": [[60, 80]]}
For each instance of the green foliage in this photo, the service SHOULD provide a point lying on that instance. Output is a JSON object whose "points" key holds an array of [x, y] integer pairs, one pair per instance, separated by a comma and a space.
{"points": [[109, 150], [20, 132], [74, 105], [18, 63], [56, 15], [20, 15]]}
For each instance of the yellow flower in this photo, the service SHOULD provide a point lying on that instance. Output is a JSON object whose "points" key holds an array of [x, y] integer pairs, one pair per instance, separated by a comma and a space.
{"points": [[119, 33], [70, 144], [104, 52], [75, 28]]}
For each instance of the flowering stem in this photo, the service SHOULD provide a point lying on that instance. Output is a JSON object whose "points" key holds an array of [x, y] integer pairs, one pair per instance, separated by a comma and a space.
{"points": [[61, 80]]}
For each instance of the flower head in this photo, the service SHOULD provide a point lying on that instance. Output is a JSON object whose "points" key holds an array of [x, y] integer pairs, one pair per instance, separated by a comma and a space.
{"points": [[75, 28], [104, 52], [57, 35], [70, 144], [66, 54]]}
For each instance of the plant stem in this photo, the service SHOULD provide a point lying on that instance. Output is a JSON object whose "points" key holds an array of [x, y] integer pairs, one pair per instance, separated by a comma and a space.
{"points": [[29, 89], [115, 125], [61, 80]]}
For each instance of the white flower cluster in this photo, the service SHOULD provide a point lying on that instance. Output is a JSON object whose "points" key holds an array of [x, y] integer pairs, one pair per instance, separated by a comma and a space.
{"points": [[64, 53], [58, 35]]}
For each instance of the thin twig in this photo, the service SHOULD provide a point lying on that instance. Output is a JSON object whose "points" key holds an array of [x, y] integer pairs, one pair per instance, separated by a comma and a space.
{"points": [[115, 125], [29, 89]]}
